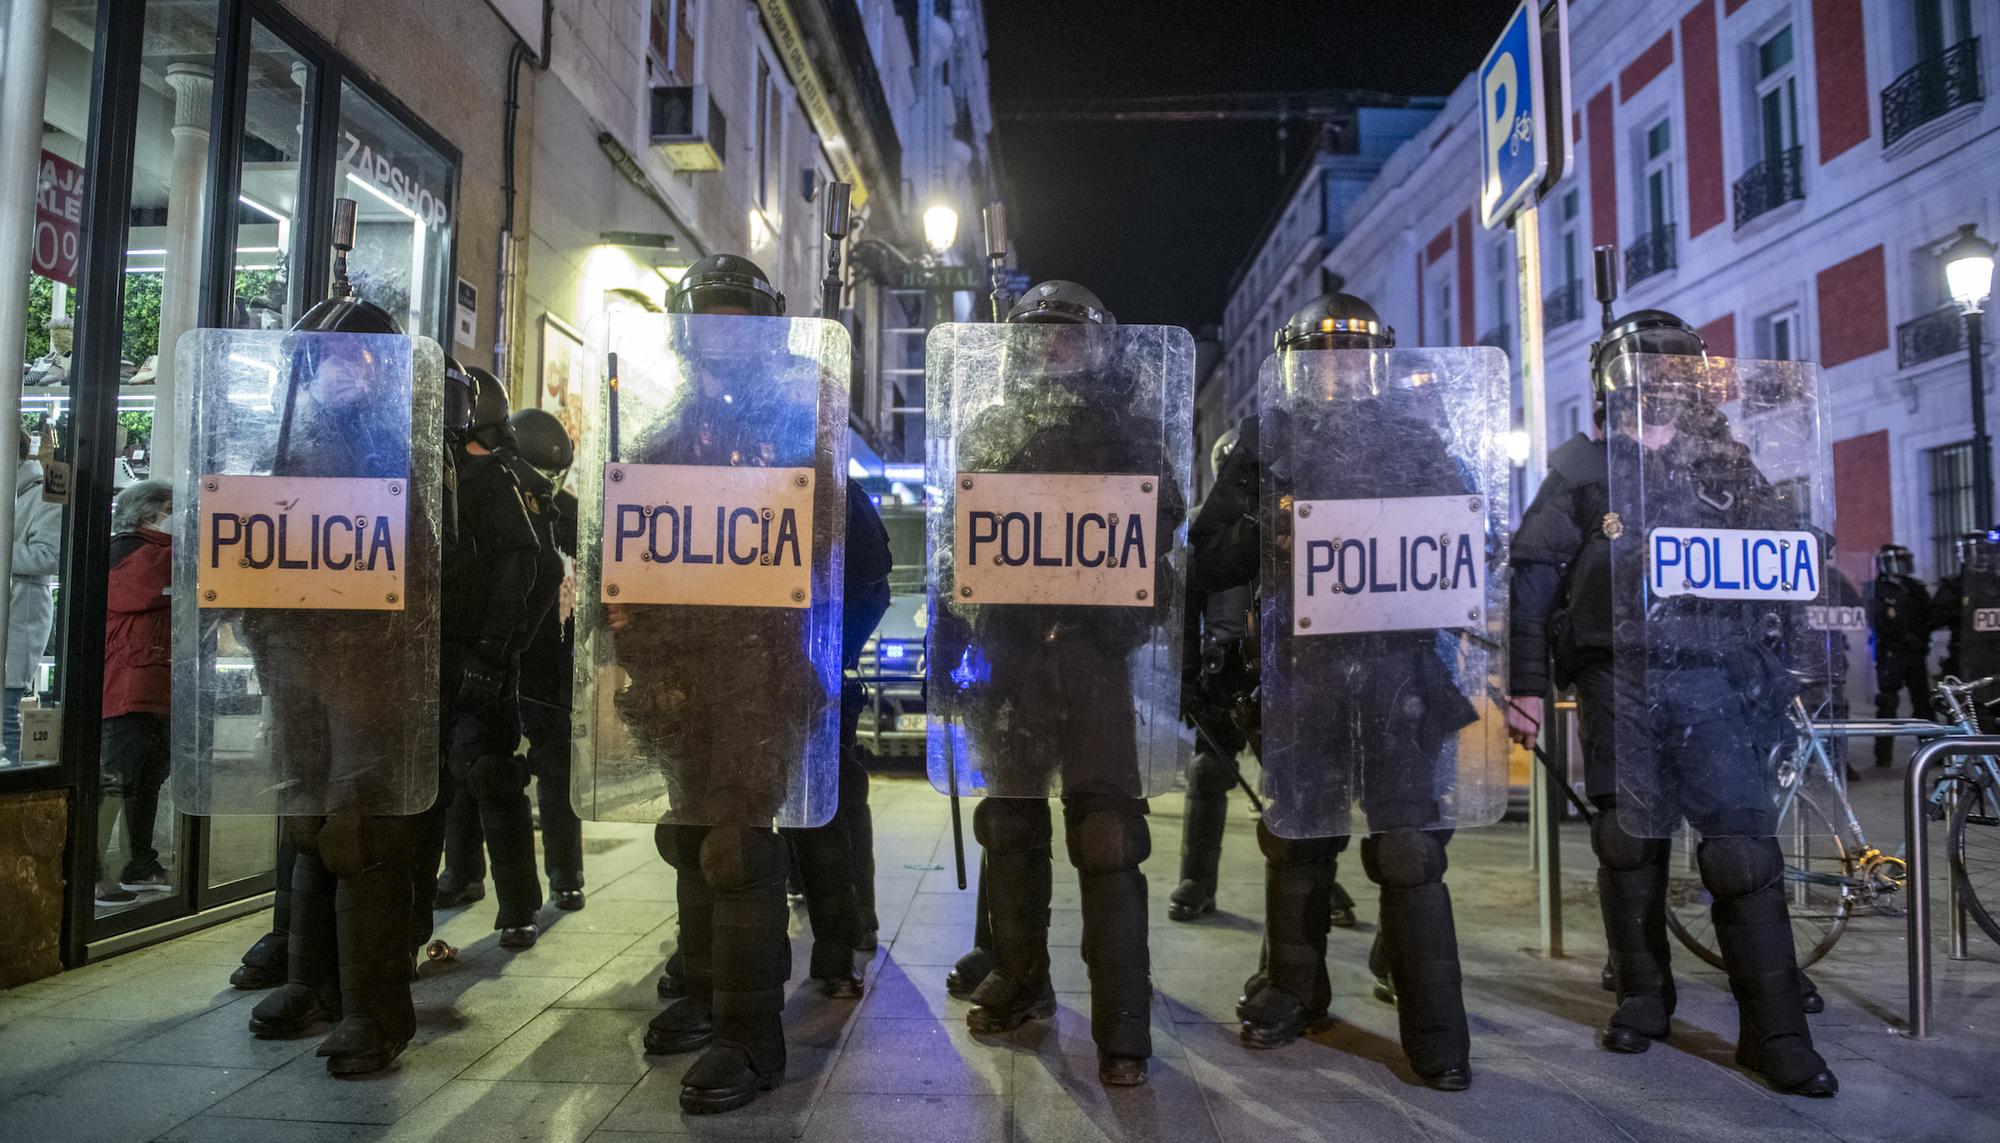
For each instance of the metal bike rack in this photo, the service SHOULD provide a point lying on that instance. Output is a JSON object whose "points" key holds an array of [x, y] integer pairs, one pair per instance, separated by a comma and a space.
{"points": [[1916, 832]]}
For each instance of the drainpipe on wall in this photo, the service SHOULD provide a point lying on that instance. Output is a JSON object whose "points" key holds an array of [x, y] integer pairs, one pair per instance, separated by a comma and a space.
{"points": [[504, 270]]}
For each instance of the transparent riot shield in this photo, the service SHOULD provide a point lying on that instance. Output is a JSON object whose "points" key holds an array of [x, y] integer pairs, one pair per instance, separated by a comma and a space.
{"points": [[1721, 506], [1383, 589], [711, 492], [305, 602], [1058, 461]]}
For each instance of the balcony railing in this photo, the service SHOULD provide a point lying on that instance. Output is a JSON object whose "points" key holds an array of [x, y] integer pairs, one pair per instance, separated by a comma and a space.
{"points": [[1939, 333], [1650, 254], [1499, 337], [1770, 184], [1562, 305], [1939, 84]]}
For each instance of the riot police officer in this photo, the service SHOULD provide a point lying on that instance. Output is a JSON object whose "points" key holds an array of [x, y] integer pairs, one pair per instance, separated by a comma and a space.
{"points": [[1051, 703], [490, 610], [540, 463], [1900, 625], [1378, 445], [1563, 613]]}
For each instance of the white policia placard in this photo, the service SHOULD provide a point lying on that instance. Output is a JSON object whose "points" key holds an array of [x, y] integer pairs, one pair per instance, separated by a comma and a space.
{"points": [[1404, 564], [1986, 619], [1056, 538], [707, 535], [1732, 563], [1832, 617], [332, 543]]}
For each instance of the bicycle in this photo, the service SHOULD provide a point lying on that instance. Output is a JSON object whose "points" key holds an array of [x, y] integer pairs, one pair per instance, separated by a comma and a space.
{"points": [[1831, 870], [1968, 799]]}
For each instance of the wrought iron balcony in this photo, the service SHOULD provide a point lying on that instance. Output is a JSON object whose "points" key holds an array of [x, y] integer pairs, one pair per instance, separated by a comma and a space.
{"points": [[1650, 254], [1562, 305], [1770, 184], [1939, 84], [1939, 333], [1499, 337]]}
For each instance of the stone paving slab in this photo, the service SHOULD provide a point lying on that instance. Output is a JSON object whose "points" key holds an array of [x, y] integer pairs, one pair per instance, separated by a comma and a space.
{"points": [[545, 1044]]}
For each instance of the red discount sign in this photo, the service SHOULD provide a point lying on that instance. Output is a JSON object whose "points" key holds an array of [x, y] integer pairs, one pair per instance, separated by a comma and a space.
{"points": [[58, 219]]}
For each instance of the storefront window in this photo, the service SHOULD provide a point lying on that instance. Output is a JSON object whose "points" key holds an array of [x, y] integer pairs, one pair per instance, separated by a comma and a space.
{"points": [[402, 188]]}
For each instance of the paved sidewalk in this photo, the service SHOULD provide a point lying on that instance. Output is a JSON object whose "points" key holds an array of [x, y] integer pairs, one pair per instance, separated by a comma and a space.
{"points": [[545, 1044]]}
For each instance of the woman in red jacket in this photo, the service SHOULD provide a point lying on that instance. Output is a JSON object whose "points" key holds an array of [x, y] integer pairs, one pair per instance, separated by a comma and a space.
{"points": [[138, 684]]}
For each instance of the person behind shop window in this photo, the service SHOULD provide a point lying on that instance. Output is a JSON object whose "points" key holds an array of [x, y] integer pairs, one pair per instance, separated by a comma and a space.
{"points": [[138, 685], [32, 615]]}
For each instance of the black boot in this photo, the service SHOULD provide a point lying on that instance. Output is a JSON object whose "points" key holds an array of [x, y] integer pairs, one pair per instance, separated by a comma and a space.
{"points": [[974, 966], [1017, 837], [1420, 942], [311, 995], [1633, 902], [1755, 933], [371, 915], [686, 1025], [746, 870], [1341, 912], [1206, 815], [1107, 847], [264, 965], [1291, 991]]}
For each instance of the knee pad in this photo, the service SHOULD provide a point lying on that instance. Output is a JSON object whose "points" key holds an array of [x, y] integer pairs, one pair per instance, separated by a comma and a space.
{"points": [[496, 775], [1012, 825], [680, 845], [1737, 867], [1403, 858], [1619, 850], [351, 842], [1210, 775], [1105, 841], [1296, 850], [734, 858]]}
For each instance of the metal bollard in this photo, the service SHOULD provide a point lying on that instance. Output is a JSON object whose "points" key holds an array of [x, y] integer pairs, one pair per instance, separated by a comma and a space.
{"points": [[1917, 837]]}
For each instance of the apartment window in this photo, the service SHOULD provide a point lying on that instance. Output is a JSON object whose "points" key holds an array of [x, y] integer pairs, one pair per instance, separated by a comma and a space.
{"points": [[1777, 96], [1778, 336], [1570, 258], [1659, 176], [1951, 500], [1941, 24], [1570, 419], [670, 45]]}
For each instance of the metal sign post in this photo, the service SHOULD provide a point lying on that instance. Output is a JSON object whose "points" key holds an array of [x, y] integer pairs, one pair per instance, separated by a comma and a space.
{"points": [[1524, 145]]}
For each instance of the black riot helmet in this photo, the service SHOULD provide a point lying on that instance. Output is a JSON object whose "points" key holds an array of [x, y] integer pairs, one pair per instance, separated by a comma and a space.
{"points": [[539, 439], [1220, 450], [489, 410], [1641, 331], [1964, 544], [726, 283], [347, 315], [1894, 559], [1056, 302], [1334, 321], [459, 389]]}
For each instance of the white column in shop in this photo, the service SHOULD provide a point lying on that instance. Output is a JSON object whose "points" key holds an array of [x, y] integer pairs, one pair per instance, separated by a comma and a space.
{"points": [[180, 294], [24, 77]]}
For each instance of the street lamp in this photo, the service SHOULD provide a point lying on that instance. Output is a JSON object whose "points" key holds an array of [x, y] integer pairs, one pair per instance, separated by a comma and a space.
{"points": [[940, 228], [1968, 272]]}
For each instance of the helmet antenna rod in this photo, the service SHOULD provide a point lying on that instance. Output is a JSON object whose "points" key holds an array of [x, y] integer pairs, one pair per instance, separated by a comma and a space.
{"points": [[1604, 264], [995, 217], [838, 200], [343, 241], [611, 399]]}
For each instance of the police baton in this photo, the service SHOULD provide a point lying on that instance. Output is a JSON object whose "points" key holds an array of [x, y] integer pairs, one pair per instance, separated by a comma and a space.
{"points": [[1561, 779], [1256, 803]]}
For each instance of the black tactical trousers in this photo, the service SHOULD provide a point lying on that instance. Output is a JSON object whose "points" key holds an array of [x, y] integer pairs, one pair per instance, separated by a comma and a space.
{"points": [[479, 753], [735, 953], [1210, 778], [1895, 673], [350, 904], [546, 727]]}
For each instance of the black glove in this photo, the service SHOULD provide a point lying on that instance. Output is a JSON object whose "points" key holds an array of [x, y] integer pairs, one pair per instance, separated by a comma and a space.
{"points": [[481, 676]]}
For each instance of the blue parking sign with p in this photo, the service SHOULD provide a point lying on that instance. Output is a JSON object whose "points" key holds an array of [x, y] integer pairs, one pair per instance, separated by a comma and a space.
{"points": [[1513, 153]]}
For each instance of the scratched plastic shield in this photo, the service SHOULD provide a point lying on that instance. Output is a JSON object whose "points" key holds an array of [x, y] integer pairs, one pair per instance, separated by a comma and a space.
{"points": [[1058, 461], [1721, 521], [1383, 589], [711, 488], [308, 492]]}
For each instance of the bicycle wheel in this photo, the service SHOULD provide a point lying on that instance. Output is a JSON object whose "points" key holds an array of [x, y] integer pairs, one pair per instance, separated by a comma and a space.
{"points": [[1818, 894], [1974, 845]]}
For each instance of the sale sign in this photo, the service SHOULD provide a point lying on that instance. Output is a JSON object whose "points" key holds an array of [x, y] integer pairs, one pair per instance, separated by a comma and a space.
{"points": [[58, 219]]}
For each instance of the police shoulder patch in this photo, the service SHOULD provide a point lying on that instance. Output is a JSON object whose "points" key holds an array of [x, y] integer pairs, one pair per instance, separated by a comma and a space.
{"points": [[1613, 526]]}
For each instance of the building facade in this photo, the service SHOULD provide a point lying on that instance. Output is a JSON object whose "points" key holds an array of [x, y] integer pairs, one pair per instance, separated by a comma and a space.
{"points": [[1782, 173]]}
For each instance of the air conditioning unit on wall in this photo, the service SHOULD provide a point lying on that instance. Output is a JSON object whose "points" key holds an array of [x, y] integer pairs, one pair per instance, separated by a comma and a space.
{"points": [[688, 129]]}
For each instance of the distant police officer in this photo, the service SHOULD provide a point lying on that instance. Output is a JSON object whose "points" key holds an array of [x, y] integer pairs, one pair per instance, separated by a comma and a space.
{"points": [[1900, 623], [540, 463], [490, 610], [1383, 694], [1563, 611], [1979, 619]]}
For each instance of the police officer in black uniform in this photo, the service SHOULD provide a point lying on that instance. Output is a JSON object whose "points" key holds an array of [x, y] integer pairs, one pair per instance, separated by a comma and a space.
{"points": [[1417, 947], [490, 610], [1070, 419], [1900, 624], [541, 460], [1562, 612], [1979, 620]]}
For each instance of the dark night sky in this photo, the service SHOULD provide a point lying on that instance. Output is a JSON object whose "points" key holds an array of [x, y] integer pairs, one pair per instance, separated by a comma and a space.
{"points": [[1155, 217]]}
